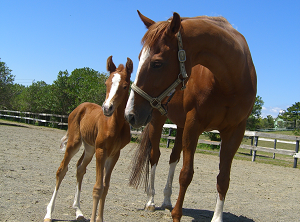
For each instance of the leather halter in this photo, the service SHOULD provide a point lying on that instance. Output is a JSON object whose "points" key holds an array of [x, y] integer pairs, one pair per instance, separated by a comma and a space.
{"points": [[155, 102]]}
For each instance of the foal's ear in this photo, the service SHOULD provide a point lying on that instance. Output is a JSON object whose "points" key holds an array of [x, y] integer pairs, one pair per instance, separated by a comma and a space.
{"points": [[174, 25], [110, 66], [148, 22], [129, 67]]}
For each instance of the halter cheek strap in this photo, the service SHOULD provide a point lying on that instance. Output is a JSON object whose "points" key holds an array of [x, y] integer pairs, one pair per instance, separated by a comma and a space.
{"points": [[155, 102]]}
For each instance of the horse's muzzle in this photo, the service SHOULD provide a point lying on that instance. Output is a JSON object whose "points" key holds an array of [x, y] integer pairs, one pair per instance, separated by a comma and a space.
{"points": [[137, 121]]}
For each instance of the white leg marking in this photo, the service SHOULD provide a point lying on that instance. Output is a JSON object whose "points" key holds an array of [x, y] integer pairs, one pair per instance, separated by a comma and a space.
{"points": [[218, 214], [76, 204], [145, 54], [151, 191], [168, 188], [115, 84], [50, 206]]}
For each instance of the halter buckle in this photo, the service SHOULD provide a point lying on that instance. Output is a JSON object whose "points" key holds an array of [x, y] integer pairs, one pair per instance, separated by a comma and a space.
{"points": [[181, 55], [155, 103]]}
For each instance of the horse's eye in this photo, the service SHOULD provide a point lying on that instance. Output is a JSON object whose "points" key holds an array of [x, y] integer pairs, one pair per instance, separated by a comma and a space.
{"points": [[124, 87], [156, 65]]}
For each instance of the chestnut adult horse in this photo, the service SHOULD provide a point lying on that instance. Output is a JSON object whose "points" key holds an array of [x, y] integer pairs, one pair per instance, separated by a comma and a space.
{"points": [[213, 61], [103, 131]]}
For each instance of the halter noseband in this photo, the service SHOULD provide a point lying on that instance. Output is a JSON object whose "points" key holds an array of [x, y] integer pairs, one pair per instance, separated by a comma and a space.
{"points": [[156, 102]]}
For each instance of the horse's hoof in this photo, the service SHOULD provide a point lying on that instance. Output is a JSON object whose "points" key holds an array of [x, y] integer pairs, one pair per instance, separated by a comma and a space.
{"points": [[169, 207], [150, 208], [81, 218], [47, 220]]}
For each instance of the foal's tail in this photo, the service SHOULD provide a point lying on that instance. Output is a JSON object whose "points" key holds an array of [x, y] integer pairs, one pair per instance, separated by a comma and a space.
{"points": [[140, 161], [64, 141]]}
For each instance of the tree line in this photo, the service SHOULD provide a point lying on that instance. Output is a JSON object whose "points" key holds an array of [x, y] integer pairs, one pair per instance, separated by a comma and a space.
{"points": [[87, 85]]}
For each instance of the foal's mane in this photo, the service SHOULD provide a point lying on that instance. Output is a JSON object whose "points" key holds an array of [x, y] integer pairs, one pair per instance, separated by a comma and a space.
{"points": [[156, 30]]}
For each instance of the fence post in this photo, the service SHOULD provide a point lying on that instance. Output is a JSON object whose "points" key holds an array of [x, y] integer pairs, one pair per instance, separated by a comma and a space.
{"points": [[254, 151], [251, 145], [275, 141], [296, 150], [168, 141]]}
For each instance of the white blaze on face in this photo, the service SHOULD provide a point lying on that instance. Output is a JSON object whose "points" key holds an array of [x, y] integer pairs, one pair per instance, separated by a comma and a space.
{"points": [[113, 90], [144, 56]]}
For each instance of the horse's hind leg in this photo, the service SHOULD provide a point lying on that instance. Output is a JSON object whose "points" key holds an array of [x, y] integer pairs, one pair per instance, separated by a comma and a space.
{"points": [[82, 163], [72, 148], [231, 141], [174, 159]]}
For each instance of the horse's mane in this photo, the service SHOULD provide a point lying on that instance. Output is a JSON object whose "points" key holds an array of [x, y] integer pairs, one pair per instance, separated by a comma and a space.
{"points": [[156, 30]]}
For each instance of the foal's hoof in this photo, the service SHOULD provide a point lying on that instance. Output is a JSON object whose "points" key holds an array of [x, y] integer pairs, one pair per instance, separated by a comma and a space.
{"points": [[47, 220], [150, 208]]}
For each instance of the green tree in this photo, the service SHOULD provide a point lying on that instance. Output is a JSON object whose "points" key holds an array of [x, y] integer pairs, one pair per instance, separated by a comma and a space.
{"points": [[39, 98], [267, 123], [253, 122], [61, 97], [6, 83], [292, 116], [83, 85]]}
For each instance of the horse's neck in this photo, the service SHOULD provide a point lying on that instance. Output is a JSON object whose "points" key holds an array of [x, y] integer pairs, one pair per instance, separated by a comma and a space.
{"points": [[219, 49]]}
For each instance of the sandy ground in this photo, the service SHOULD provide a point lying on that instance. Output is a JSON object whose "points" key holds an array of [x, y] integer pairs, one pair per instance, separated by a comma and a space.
{"points": [[30, 156]]}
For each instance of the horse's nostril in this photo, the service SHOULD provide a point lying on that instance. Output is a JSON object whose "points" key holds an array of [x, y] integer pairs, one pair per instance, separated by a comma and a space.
{"points": [[130, 119]]}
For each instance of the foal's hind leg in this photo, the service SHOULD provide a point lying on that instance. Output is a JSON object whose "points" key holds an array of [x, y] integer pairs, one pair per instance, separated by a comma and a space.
{"points": [[82, 163], [231, 141], [174, 159], [72, 148]]}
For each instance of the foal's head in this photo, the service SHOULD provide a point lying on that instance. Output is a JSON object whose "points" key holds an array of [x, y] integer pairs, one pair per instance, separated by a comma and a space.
{"points": [[158, 67], [117, 85]]}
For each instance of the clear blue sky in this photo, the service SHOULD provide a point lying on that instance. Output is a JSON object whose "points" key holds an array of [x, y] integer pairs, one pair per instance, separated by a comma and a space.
{"points": [[40, 38]]}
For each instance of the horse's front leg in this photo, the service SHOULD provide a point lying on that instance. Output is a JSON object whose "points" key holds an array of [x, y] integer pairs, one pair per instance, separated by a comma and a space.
{"points": [[174, 159], [108, 168], [98, 187], [155, 129], [190, 136]]}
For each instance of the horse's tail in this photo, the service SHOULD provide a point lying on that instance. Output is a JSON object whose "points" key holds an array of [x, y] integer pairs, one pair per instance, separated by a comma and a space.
{"points": [[140, 161], [64, 141]]}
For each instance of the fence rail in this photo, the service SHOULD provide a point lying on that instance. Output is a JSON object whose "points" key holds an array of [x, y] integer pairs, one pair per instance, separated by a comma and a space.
{"points": [[62, 120], [255, 137], [32, 118]]}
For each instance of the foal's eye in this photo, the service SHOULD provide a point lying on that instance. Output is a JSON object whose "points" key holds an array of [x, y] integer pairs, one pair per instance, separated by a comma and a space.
{"points": [[124, 87], [156, 65]]}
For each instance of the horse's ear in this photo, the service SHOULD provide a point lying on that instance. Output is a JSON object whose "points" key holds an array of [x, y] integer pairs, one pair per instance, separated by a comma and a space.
{"points": [[148, 22], [174, 25], [110, 66], [129, 67]]}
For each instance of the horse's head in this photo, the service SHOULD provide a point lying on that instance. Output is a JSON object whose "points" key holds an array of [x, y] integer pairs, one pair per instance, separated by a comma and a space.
{"points": [[158, 69], [117, 85]]}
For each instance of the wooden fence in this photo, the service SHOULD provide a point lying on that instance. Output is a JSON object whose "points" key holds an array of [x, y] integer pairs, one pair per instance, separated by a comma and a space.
{"points": [[255, 137], [45, 119], [62, 120]]}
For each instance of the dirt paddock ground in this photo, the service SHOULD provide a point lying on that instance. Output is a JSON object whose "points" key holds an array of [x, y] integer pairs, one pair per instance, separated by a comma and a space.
{"points": [[30, 156]]}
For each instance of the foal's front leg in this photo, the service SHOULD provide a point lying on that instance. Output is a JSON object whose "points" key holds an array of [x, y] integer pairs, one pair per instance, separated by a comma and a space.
{"points": [[98, 187], [108, 168]]}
